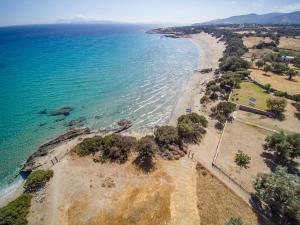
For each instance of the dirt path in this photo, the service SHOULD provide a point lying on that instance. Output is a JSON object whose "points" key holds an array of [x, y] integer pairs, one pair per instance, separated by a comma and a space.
{"points": [[184, 198]]}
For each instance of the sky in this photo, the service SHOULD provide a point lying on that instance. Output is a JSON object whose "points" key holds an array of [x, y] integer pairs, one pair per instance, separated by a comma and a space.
{"points": [[16, 12]]}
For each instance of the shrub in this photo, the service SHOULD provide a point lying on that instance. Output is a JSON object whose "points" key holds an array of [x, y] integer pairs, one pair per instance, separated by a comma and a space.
{"points": [[88, 146], [267, 87], [242, 159], [166, 135], [147, 148], [280, 190], [280, 94], [276, 105], [204, 99], [279, 68], [259, 64], [234, 221], [116, 148], [191, 127], [224, 108], [15, 212], [285, 147], [37, 179], [233, 63]]}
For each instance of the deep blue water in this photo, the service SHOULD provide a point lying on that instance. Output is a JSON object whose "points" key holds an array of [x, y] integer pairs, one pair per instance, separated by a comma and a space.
{"points": [[105, 72]]}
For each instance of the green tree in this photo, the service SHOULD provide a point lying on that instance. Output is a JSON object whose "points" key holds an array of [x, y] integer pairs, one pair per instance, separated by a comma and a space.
{"points": [[267, 87], [191, 127], [235, 221], [276, 105], [259, 64], [224, 108], [166, 135], [242, 159], [280, 190], [285, 147], [267, 68], [291, 73], [147, 148]]}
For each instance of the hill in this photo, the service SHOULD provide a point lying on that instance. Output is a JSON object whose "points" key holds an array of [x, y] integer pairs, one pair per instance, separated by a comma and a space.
{"points": [[270, 18]]}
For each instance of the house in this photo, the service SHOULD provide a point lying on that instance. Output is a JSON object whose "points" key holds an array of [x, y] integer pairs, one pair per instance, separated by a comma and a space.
{"points": [[287, 58]]}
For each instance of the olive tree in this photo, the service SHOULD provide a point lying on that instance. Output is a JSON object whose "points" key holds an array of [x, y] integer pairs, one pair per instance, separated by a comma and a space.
{"points": [[280, 190]]}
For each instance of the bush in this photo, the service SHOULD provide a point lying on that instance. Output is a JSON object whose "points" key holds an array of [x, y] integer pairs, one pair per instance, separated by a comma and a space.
{"points": [[15, 212], [147, 148], [224, 108], [280, 94], [233, 63], [276, 105], [191, 127], [88, 146], [116, 148], [37, 179], [166, 135], [235, 221], [242, 159], [285, 147], [280, 190], [204, 99]]}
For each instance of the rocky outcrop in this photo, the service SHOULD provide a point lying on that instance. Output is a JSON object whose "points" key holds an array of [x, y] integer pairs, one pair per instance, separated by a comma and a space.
{"points": [[33, 160], [62, 111]]}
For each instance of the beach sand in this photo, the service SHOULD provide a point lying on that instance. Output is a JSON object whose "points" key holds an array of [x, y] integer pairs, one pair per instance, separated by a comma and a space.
{"points": [[210, 51]]}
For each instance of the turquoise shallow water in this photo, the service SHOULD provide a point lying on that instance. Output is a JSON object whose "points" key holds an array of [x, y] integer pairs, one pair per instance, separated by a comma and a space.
{"points": [[105, 72]]}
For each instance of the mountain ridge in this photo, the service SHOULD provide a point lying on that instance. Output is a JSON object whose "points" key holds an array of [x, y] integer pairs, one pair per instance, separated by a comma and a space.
{"points": [[269, 18]]}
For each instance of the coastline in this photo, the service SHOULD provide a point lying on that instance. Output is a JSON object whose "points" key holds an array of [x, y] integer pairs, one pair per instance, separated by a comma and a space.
{"points": [[210, 51]]}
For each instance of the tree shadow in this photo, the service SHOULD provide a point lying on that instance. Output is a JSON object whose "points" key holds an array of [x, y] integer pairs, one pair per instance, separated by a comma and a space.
{"points": [[145, 165], [265, 214], [297, 115], [270, 160]]}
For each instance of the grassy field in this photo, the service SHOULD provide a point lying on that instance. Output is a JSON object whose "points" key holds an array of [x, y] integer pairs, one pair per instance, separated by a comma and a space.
{"points": [[289, 43], [217, 203], [278, 82], [248, 90], [249, 42]]}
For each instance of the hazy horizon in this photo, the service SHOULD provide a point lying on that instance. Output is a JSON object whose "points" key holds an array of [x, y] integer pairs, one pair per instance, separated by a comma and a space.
{"points": [[16, 12]]}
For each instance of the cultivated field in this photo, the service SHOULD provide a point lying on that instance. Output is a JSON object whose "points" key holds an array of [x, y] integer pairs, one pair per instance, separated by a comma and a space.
{"points": [[278, 82], [248, 90], [249, 139], [250, 42], [289, 43], [217, 203]]}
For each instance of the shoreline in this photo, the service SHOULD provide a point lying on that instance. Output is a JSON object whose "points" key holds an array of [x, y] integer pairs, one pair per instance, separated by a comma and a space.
{"points": [[210, 50]]}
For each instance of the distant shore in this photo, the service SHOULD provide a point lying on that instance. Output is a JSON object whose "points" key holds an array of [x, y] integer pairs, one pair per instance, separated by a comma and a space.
{"points": [[210, 51]]}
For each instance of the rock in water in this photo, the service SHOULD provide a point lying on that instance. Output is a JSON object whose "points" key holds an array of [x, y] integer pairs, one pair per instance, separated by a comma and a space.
{"points": [[76, 123], [62, 111], [44, 111]]}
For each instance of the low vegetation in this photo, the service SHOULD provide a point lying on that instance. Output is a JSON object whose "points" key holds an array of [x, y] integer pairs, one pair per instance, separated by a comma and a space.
{"points": [[37, 179], [277, 106], [235, 221], [280, 190], [191, 127], [114, 148], [285, 147], [146, 148], [15, 212], [222, 111], [166, 136], [242, 159]]}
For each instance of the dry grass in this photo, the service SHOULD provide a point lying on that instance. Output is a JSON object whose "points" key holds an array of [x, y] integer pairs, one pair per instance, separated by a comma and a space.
{"points": [[278, 82], [250, 42], [289, 43], [259, 53], [250, 140], [217, 203]]}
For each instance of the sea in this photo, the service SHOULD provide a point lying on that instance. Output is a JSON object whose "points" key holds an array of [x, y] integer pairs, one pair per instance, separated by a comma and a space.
{"points": [[103, 72]]}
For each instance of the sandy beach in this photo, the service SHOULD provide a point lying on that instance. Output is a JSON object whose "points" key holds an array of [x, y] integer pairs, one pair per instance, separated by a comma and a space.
{"points": [[210, 51]]}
